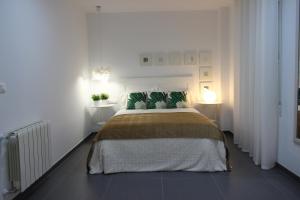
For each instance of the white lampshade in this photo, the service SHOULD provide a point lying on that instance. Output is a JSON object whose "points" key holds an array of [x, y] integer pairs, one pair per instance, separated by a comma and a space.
{"points": [[209, 96]]}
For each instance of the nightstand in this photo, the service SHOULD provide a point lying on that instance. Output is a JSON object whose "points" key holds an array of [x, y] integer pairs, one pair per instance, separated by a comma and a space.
{"points": [[211, 110], [101, 113]]}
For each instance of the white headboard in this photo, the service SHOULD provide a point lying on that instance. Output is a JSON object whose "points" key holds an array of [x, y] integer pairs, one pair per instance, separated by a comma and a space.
{"points": [[168, 81], [161, 82]]}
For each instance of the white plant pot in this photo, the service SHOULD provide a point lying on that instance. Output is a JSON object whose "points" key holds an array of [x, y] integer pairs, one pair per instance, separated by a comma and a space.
{"points": [[103, 102], [96, 103]]}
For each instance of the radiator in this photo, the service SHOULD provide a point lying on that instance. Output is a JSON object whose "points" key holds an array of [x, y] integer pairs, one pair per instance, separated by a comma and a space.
{"points": [[29, 154]]}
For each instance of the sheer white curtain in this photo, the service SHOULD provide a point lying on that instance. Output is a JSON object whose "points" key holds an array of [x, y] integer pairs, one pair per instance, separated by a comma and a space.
{"points": [[256, 79]]}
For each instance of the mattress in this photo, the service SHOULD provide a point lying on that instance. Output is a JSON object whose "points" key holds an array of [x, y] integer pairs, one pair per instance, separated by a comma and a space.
{"points": [[157, 154]]}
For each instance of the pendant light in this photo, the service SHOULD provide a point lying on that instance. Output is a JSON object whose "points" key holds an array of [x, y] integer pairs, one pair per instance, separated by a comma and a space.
{"points": [[100, 73]]}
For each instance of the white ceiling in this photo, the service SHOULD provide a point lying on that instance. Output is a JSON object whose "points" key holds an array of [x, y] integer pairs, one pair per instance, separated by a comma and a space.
{"points": [[152, 5]]}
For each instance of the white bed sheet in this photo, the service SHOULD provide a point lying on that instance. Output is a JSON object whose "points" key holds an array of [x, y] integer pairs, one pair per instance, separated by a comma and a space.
{"points": [[188, 154]]}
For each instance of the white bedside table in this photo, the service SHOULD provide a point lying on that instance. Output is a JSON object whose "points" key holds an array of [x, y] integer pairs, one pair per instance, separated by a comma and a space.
{"points": [[211, 110], [103, 105], [98, 113]]}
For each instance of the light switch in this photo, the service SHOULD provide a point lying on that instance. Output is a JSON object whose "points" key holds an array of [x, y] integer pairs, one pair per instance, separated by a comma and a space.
{"points": [[3, 88]]}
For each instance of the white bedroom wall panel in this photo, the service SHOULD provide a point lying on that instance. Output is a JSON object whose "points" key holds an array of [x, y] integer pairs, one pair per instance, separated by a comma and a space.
{"points": [[44, 62], [256, 92], [124, 36], [289, 151]]}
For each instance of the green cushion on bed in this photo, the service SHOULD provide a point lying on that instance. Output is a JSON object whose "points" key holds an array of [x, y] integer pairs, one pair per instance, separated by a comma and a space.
{"points": [[177, 99], [136, 100], [157, 100]]}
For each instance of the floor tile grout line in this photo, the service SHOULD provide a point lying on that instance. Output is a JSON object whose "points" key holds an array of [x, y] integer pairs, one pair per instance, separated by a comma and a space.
{"points": [[219, 189], [283, 191], [106, 188], [65, 177], [285, 174], [49, 177], [162, 187]]}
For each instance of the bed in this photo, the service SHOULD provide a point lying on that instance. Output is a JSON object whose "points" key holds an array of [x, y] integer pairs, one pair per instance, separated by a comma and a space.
{"points": [[158, 140]]}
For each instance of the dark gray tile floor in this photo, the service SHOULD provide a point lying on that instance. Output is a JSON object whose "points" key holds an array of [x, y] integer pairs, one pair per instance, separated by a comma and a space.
{"points": [[246, 181]]}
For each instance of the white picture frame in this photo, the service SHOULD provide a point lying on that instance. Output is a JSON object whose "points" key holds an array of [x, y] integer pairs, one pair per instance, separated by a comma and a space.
{"points": [[160, 59], [205, 74], [175, 58], [146, 59], [190, 57], [205, 58]]}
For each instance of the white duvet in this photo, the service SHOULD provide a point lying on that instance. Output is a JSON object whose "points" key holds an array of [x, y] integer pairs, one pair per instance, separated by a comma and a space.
{"points": [[190, 154]]}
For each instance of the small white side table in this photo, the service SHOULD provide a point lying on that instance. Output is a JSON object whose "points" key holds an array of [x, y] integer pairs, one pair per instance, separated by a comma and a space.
{"points": [[99, 114], [211, 110], [103, 105]]}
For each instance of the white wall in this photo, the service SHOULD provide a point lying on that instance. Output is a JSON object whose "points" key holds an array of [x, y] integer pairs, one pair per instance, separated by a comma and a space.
{"points": [[117, 39], [124, 36], [44, 62], [289, 151]]}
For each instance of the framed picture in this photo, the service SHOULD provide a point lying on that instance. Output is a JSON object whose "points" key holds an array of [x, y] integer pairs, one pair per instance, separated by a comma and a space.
{"points": [[160, 59], [205, 74], [205, 58], [175, 58], [146, 59], [190, 57]]}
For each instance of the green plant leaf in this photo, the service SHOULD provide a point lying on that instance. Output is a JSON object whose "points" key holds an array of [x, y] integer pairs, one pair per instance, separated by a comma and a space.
{"points": [[104, 96], [95, 97]]}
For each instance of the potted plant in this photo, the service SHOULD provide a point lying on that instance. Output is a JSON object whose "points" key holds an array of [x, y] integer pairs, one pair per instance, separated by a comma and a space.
{"points": [[103, 98], [96, 99]]}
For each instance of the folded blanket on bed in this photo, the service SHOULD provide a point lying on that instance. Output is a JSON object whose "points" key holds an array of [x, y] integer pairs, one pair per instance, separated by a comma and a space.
{"points": [[159, 125]]}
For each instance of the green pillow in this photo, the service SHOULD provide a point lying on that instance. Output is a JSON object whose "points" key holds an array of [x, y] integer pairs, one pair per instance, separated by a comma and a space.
{"points": [[157, 100], [177, 99], [136, 100]]}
